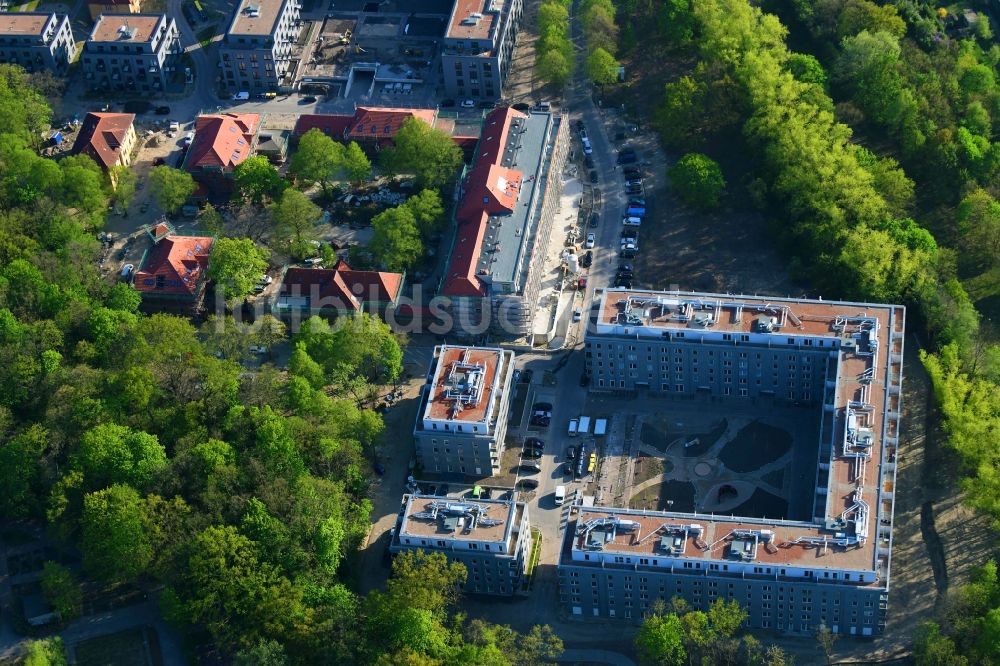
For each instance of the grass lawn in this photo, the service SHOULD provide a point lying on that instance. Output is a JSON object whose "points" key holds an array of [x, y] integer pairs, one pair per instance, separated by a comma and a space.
{"points": [[647, 467], [30, 6], [126, 648]]}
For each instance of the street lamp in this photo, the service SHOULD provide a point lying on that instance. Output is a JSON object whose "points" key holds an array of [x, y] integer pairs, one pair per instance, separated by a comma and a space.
{"points": [[670, 505]]}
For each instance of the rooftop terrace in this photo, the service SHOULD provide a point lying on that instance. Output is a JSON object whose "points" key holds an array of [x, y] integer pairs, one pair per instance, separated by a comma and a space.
{"points": [[460, 520], [466, 382]]}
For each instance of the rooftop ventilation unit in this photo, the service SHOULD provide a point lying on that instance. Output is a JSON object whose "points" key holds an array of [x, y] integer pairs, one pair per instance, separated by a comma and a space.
{"points": [[767, 324], [848, 343], [701, 320], [252, 11]]}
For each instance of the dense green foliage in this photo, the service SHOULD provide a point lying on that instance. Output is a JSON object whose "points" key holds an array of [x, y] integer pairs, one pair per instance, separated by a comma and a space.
{"points": [[170, 187], [424, 151], [554, 57], [674, 634], [698, 180], [601, 32], [258, 181], [236, 265], [46, 652]]}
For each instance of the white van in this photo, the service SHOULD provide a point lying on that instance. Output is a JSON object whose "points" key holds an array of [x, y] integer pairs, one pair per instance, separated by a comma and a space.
{"points": [[572, 427], [560, 494], [241, 96], [584, 426], [632, 221]]}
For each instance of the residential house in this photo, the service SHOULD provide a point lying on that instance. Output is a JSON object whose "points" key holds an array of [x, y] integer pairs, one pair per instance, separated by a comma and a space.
{"points": [[221, 142], [335, 291], [108, 139], [173, 273]]}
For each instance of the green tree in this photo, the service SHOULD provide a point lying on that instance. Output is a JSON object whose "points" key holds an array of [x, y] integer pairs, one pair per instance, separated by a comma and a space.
{"points": [[698, 180], [256, 179], [115, 544], [396, 240], [554, 67], [825, 640], [978, 220], [239, 599], [211, 221], [426, 152], [660, 641], [317, 159], [428, 212], [602, 68], [111, 453], [932, 648], [20, 472], [83, 184], [356, 165], [236, 265], [170, 187], [362, 346], [61, 590], [679, 118], [264, 653], [124, 181], [807, 69], [295, 217], [45, 652], [25, 114]]}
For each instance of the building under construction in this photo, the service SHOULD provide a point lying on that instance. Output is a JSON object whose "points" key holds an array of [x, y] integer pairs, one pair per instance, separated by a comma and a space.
{"points": [[830, 565], [492, 538]]}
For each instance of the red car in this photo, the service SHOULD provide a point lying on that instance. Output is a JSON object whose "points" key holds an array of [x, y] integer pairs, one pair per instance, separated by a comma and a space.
{"points": [[581, 284]]}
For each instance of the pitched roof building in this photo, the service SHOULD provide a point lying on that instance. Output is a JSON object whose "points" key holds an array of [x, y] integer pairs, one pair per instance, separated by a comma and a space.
{"points": [[368, 124], [340, 289], [107, 138], [221, 142], [175, 268]]}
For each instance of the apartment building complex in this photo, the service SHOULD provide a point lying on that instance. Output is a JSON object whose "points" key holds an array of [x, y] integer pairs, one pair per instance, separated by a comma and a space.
{"points": [[256, 53], [504, 222], [492, 538], [829, 566], [462, 418], [478, 46], [132, 53], [37, 41]]}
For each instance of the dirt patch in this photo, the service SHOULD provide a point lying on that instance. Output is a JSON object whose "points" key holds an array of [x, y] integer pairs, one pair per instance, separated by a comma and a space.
{"points": [[648, 467], [666, 496]]}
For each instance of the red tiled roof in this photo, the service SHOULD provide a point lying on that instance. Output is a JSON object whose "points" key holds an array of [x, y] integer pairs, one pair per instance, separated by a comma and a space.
{"points": [[223, 140], [330, 125], [490, 189], [350, 288], [175, 265], [382, 122], [101, 136]]}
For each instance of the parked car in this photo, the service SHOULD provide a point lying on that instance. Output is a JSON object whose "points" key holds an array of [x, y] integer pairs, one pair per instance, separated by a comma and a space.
{"points": [[527, 484], [587, 148], [589, 161], [632, 172], [241, 96], [628, 156], [543, 407], [595, 219], [534, 443], [636, 201], [587, 260], [577, 314], [591, 240], [162, 110], [627, 254], [630, 232], [583, 134], [624, 284], [632, 221], [625, 267], [571, 452], [468, 104], [529, 467], [578, 124], [633, 189], [308, 99], [581, 284], [127, 271], [633, 181], [531, 454], [258, 349]]}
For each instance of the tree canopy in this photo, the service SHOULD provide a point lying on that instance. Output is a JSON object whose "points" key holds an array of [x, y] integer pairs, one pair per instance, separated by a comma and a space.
{"points": [[698, 179], [427, 153], [236, 265], [170, 187]]}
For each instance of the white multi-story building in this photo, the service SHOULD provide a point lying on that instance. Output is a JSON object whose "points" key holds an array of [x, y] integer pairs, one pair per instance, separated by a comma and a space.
{"points": [[37, 41], [478, 47], [132, 53], [492, 538], [462, 420], [256, 53]]}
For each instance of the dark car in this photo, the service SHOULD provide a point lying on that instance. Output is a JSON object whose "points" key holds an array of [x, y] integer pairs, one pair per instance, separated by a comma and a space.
{"points": [[632, 182], [624, 284], [543, 407], [520, 106], [379, 469], [628, 254], [527, 484], [632, 172], [636, 202], [136, 106], [630, 232], [593, 176], [578, 124], [448, 103], [627, 157], [159, 161], [526, 376], [162, 110], [540, 421], [530, 467], [587, 259], [633, 189], [534, 443], [595, 219], [309, 99], [570, 452], [625, 268], [589, 161], [531, 454]]}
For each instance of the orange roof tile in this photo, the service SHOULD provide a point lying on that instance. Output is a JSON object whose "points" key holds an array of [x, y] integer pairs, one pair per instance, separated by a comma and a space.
{"points": [[101, 136], [224, 140], [175, 265]]}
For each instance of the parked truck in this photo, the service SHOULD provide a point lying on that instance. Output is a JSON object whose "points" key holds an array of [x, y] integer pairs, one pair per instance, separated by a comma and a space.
{"points": [[573, 423], [584, 426], [600, 427]]}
